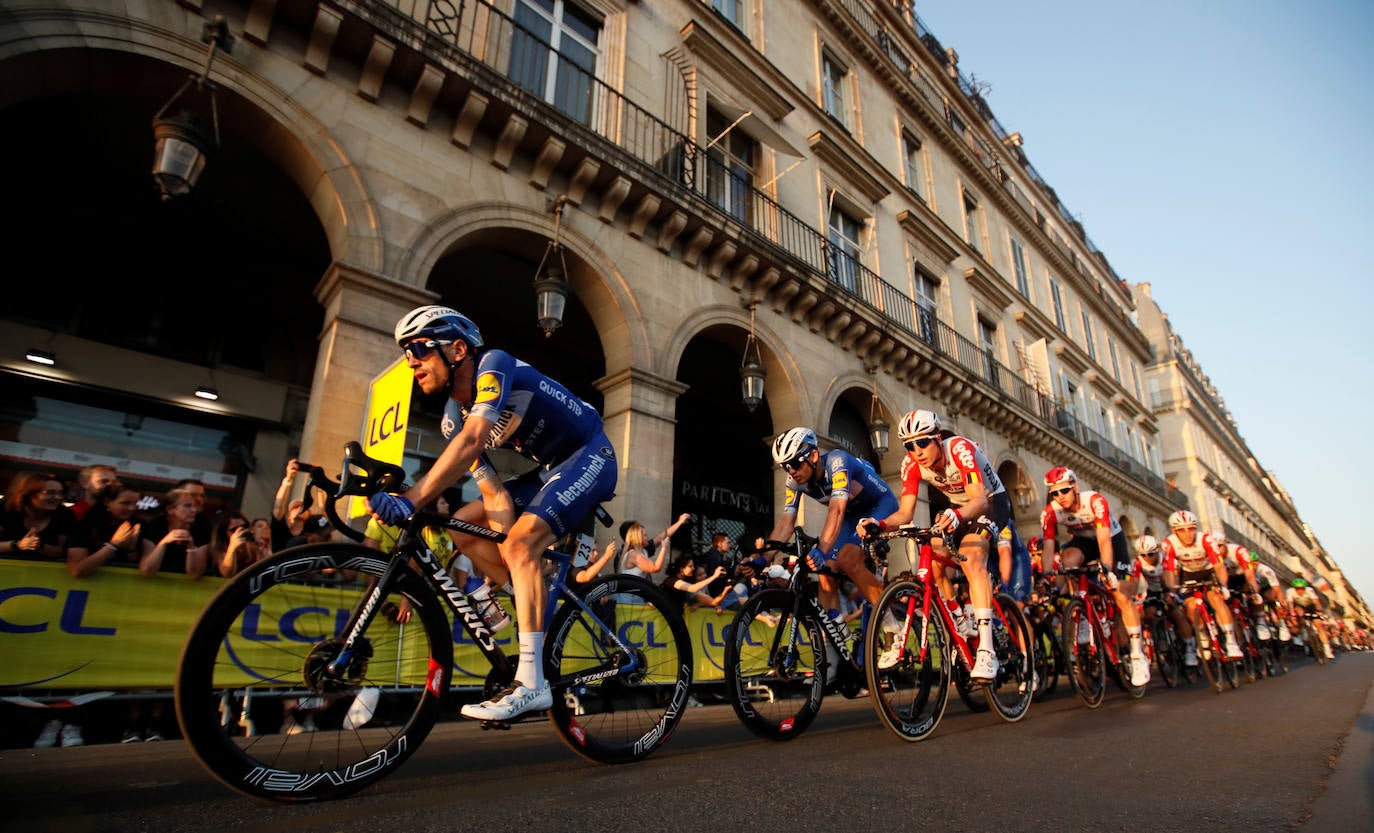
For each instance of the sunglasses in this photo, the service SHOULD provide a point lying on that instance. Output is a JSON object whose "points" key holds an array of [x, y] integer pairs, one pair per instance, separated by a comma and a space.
{"points": [[419, 350], [793, 465], [1063, 491], [919, 442]]}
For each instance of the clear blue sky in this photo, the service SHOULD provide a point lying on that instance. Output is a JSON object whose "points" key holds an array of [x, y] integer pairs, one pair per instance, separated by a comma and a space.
{"points": [[1224, 152]]}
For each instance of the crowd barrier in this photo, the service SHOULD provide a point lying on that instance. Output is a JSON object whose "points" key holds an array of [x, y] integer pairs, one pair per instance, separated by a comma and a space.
{"points": [[119, 630]]}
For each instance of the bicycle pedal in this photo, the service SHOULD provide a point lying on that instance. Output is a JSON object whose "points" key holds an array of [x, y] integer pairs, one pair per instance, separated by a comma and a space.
{"points": [[503, 725]]}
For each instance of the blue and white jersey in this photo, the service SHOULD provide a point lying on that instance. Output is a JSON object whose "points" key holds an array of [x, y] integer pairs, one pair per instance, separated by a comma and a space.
{"points": [[531, 414], [843, 476]]}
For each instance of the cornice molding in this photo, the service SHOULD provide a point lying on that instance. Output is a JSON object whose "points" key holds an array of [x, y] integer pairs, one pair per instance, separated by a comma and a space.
{"points": [[1072, 357], [1034, 324], [913, 225], [845, 162], [988, 288], [758, 80]]}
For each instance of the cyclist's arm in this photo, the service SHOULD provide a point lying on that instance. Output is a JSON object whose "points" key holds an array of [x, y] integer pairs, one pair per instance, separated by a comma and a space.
{"points": [[906, 510], [455, 459], [1048, 530], [834, 521]]}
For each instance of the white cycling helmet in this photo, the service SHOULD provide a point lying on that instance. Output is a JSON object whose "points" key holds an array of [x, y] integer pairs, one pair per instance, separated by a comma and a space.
{"points": [[1218, 536], [1146, 545], [792, 445], [1182, 518], [439, 323], [918, 424]]}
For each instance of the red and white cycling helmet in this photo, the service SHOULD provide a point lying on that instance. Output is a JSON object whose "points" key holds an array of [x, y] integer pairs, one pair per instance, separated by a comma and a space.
{"points": [[1060, 474], [1146, 545], [1218, 536], [918, 424], [1182, 519]]}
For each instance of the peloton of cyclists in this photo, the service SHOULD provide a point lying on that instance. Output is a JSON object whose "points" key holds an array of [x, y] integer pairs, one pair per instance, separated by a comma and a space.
{"points": [[1240, 573], [978, 513], [1094, 535], [1303, 599], [1148, 568], [1189, 556]]}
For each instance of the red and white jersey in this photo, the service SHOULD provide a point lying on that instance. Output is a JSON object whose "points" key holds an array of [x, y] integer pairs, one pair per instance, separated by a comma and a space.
{"points": [[1236, 558], [1154, 576], [1195, 559], [1083, 522], [964, 463]]}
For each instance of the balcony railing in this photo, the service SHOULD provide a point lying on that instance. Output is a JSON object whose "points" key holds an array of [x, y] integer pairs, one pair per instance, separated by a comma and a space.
{"points": [[485, 38]]}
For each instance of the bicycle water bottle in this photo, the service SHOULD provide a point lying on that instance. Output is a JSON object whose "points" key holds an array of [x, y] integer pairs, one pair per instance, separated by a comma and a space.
{"points": [[490, 609]]}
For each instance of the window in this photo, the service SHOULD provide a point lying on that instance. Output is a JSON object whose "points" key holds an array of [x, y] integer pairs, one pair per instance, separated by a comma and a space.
{"points": [[1058, 298], [1135, 380], [925, 294], [730, 167], [1116, 366], [987, 343], [731, 10], [843, 235], [971, 222], [833, 75], [553, 54], [911, 162], [1018, 265], [1156, 397], [1088, 333]]}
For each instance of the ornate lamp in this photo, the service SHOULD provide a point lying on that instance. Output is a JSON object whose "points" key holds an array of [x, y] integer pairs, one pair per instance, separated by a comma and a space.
{"points": [[182, 141], [751, 372], [877, 427]]}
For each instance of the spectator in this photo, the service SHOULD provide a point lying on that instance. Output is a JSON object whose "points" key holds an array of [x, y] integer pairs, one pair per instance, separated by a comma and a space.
{"points": [[682, 589], [169, 542], [34, 524], [92, 479], [262, 534], [719, 555], [109, 532], [288, 516], [749, 580], [201, 528], [634, 559], [233, 546]]}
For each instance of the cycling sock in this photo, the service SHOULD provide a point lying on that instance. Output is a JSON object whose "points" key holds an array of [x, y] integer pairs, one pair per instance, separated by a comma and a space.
{"points": [[1137, 644], [983, 616], [528, 671]]}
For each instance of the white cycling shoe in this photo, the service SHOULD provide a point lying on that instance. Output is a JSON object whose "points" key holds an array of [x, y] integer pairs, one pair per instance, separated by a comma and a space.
{"points": [[984, 667], [1233, 650], [1140, 671], [511, 703]]}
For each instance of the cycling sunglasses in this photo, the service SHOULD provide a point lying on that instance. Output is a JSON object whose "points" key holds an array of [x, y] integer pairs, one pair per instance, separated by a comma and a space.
{"points": [[418, 350], [792, 465], [919, 442], [1063, 491]]}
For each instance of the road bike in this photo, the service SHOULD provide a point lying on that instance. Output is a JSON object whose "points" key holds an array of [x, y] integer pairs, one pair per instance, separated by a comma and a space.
{"points": [[1045, 614], [1089, 640], [311, 622], [1166, 646], [783, 653], [914, 651], [1211, 653]]}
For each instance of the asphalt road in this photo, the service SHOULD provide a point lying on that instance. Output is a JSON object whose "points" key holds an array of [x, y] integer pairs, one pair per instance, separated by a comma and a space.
{"points": [[1292, 753]]}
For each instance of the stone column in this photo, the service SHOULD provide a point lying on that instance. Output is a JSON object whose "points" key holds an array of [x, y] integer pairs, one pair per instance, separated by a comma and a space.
{"points": [[360, 313], [640, 420]]}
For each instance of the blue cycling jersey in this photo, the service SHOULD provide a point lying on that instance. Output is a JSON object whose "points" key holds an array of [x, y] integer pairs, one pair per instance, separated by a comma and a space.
{"points": [[843, 476]]}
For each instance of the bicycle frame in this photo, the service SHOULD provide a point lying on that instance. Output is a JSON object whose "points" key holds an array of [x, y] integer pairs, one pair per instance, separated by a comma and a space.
{"points": [[1086, 587], [1206, 617], [837, 634]]}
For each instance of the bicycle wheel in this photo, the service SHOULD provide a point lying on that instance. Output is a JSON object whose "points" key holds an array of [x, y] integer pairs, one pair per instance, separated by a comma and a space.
{"points": [[910, 695], [1208, 654], [1249, 663], [1010, 694], [1085, 661], [1313, 641], [774, 674], [1167, 656], [1048, 660], [269, 634], [619, 718]]}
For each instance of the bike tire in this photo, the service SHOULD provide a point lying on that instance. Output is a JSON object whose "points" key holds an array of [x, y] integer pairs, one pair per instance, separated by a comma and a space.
{"points": [[910, 696], [1166, 646], [1011, 692], [265, 631], [1048, 661], [1250, 661], [775, 679], [1208, 654], [1313, 641], [621, 718], [1085, 662]]}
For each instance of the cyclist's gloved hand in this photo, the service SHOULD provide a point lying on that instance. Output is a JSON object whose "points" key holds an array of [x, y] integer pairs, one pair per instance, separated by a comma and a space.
{"points": [[947, 520], [816, 559], [392, 510]]}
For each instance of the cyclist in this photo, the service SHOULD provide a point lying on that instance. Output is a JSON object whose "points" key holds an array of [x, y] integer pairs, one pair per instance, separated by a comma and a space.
{"points": [[494, 400], [851, 490], [1272, 592], [1189, 556], [1094, 535], [1303, 598], [1241, 579], [978, 512], [1148, 569]]}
